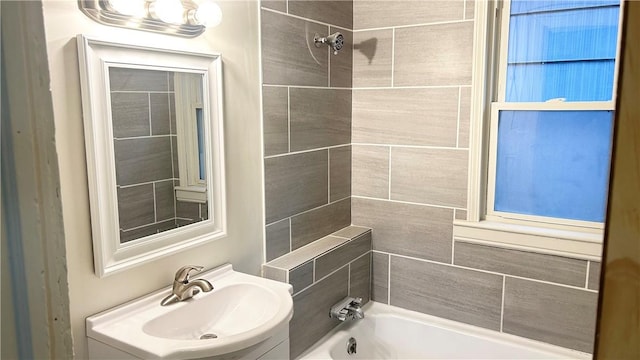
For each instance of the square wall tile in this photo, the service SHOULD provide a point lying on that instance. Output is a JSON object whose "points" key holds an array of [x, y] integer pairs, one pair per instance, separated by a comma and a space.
{"points": [[370, 175], [434, 54], [295, 183], [275, 113], [373, 14], [406, 116], [429, 176], [553, 314], [278, 240], [317, 223], [289, 56], [372, 58], [319, 118], [339, 173], [463, 295], [406, 229]]}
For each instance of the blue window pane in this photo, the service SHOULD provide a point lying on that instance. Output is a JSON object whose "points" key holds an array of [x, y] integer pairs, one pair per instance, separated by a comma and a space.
{"points": [[553, 163], [541, 82], [531, 6], [200, 130], [577, 44]]}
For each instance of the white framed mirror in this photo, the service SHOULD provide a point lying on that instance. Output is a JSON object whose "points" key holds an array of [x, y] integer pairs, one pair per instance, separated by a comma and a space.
{"points": [[154, 143]]}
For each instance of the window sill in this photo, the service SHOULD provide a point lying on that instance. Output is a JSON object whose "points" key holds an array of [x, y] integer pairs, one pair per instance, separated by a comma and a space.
{"points": [[194, 194], [575, 244]]}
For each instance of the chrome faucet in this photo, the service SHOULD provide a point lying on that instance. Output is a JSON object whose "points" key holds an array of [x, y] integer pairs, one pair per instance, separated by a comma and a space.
{"points": [[184, 289], [347, 309]]}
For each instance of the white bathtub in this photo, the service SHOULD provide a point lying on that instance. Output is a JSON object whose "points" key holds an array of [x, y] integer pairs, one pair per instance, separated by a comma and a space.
{"points": [[388, 332]]}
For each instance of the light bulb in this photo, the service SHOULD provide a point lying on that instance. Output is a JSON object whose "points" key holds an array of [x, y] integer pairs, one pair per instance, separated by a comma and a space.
{"points": [[208, 14], [135, 8], [169, 11]]}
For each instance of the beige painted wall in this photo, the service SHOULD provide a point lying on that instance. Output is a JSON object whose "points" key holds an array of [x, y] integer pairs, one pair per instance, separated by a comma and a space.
{"points": [[237, 39]]}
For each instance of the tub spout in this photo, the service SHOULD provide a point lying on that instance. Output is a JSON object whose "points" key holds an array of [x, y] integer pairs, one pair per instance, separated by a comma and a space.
{"points": [[347, 309]]}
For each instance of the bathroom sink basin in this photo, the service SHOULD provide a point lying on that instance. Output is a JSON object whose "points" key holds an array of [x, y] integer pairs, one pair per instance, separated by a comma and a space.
{"points": [[241, 311]]}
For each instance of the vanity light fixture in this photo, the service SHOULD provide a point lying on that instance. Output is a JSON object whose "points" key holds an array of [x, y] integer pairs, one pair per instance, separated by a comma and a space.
{"points": [[188, 18]]}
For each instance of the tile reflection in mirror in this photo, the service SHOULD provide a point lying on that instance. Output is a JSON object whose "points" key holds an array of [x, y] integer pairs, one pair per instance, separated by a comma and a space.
{"points": [[156, 133]]}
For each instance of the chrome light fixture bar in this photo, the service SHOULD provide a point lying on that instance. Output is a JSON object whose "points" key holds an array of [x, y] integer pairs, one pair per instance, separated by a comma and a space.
{"points": [[180, 17]]}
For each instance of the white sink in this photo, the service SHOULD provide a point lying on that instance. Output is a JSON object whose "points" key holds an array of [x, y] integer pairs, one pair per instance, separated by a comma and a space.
{"points": [[241, 311]]}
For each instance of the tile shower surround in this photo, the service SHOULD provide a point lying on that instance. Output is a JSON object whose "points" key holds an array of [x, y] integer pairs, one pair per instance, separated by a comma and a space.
{"points": [[307, 104], [143, 104], [409, 136]]}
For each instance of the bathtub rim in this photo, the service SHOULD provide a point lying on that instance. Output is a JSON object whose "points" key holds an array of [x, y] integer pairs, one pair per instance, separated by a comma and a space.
{"points": [[372, 308]]}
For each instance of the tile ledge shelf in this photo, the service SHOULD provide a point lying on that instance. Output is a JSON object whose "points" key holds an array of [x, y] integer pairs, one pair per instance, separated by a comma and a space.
{"points": [[316, 248]]}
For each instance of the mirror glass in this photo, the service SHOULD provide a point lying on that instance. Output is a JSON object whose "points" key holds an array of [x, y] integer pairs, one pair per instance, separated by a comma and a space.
{"points": [[154, 137], [158, 141]]}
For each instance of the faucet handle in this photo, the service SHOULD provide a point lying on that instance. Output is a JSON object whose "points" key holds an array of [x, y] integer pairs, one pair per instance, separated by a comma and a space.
{"points": [[356, 302], [182, 275]]}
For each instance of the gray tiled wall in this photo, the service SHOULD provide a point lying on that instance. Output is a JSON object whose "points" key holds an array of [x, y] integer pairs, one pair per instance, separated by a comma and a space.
{"points": [[307, 102], [412, 66], [391, 154], [145, 146], [323, 273]]}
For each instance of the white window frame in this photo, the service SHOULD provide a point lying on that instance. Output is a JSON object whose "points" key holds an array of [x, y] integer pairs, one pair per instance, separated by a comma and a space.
{"points": [[573, 238], [188, 95]]}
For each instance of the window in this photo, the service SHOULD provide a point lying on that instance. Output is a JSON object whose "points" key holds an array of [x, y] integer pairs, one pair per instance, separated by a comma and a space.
{"points": [[190, 139], [544, 89]]}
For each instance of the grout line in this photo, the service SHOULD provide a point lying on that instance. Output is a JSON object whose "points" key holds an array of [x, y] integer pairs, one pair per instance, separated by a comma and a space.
{"points": [[490, 272], [405, 202], [315, 208], [504, 281], [324, 87], [145, 225], [143, 183], [318, 280], [150, 125], [389, 279], [453, 240], [349, 281], [155, 205], [308, 151], [314, 270], [458, 122], [369, 87], [328, 176], [586, 280], [393, 53], [288, 120], [286, 6], [143, 137], [407, 146], [290, 236], [303, 18], [141, 92], [389, 179], [410, 87], [413, 25]]}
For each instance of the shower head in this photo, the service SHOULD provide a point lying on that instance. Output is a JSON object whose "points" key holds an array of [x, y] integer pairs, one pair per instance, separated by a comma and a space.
{"points": [[335, 41]]}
